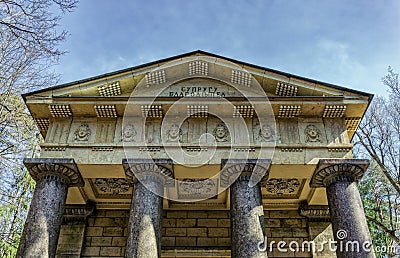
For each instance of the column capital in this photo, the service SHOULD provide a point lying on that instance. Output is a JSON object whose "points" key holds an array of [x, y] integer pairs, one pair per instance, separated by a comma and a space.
{"points": [[62, 167], [153, 169], [256, 170], [329, 171]]}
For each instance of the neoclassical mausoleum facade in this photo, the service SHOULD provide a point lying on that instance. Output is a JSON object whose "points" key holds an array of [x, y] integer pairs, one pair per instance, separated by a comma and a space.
{"points": [[196, 155]]}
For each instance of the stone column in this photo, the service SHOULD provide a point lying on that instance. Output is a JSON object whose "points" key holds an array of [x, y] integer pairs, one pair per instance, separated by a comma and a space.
{"points": [[144, 231], [42, 227], [247, 213], [350, 229]]}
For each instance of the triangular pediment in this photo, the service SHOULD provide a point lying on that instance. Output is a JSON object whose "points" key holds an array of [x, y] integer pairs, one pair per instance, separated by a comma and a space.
{"points": [[197, 64], [198, 74]]}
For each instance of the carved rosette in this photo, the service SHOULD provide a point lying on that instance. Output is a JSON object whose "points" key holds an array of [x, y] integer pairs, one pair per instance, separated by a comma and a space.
{"points": [[281, 186], [153, 170], [63, 168], [329, 171], [114, 185], [254, 170]]}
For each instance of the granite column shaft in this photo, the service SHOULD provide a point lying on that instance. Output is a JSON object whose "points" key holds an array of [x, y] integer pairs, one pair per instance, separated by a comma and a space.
{"points": [[42, 227], [247, 220], [350, 229], [348, 220], [245, 178], [145, 220], [144, 232]]}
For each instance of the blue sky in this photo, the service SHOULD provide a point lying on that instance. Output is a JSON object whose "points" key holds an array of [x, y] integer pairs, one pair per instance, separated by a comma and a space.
{"points": [[349, 43]]}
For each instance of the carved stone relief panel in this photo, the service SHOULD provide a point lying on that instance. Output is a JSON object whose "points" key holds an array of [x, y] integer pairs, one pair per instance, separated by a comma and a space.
{"points": [[83, 130], [336, 132], [195, 128], [105, 130], [116, 188], [152, 131], [289, 130], [173, 133], [197, 188], [284, 188], [128, 133], [129, 130], [242, 134], [312, 131], [59, 130], [112, 185], [267, 133], [184, 131], [82, 133], [219, 130]]}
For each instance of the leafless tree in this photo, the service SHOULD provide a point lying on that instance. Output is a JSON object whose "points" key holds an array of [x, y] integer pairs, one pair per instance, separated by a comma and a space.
{"points": [[378, 138], [29, 47]]}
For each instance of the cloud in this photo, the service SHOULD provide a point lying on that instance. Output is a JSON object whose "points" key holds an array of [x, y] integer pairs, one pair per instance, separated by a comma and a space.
{"points": [[336, 55]]}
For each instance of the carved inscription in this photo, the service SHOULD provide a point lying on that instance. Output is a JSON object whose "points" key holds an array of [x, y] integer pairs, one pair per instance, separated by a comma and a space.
{"points": [[212, 92]]}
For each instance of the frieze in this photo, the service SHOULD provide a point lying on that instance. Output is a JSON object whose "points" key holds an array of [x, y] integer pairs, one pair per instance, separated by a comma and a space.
{"points": [[266, 134]]}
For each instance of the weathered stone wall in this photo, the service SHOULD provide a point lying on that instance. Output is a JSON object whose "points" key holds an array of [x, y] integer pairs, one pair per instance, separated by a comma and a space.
{"points": [[71, 240], [285, 226], [106, 231]]}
